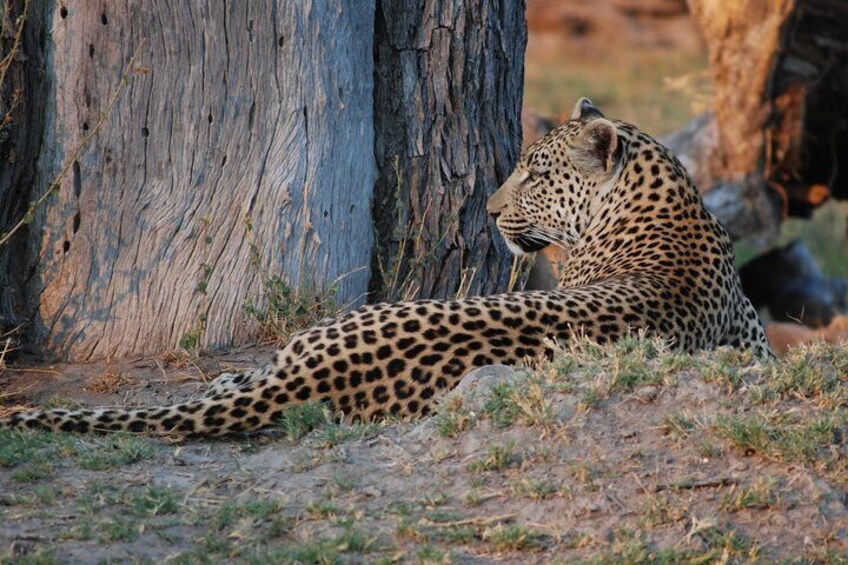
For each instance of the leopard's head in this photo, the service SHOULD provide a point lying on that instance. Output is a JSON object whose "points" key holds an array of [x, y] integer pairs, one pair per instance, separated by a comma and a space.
{"points": [[552, 194]]}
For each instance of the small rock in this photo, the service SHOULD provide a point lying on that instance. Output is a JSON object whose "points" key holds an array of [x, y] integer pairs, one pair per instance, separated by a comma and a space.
{"points": [[371, 491], [564, 410], [424, 430], [647, 393], [474, 388]]}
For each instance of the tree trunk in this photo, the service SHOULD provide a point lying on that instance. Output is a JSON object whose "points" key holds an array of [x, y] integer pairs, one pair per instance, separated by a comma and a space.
{"points": [[447, 105], [771, 145], [23, 95], [243, 125]]}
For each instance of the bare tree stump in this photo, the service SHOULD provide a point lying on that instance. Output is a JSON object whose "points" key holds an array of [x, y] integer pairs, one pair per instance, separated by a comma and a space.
{"points": [[237, 114], [770, 147], [447, 102]]}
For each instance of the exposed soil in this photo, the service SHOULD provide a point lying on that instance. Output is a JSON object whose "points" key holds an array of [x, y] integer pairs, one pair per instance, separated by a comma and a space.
{"points": [[167, 379], [619, 455]]}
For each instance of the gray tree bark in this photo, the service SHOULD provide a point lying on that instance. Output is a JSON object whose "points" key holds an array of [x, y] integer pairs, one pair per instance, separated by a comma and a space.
{"points": [[449, 82], [22, 98], [237, 113]]}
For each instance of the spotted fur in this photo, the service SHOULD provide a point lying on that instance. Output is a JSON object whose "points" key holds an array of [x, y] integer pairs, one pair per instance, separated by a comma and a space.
{"points": [[644, 254]]}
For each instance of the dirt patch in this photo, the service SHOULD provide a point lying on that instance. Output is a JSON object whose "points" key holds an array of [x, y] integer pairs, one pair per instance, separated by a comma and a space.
{"points": [[167, 379], [629, 454]]}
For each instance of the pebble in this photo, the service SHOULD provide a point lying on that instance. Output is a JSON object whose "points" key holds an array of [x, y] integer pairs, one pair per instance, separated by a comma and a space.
{"points": [[371, 491], [647, 393], [564, 410], [474, 388]]}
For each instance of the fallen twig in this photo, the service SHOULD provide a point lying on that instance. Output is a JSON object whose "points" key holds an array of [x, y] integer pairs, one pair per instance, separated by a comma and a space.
{"points": [[690, 484], [470, 521], [612, 497]]}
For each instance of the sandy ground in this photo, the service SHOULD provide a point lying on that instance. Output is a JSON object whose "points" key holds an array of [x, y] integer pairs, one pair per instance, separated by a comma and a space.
{"points": [[594, 457]]}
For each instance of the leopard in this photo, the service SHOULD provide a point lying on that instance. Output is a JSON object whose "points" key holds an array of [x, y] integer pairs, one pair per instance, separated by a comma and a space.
{"points": [[643, 255]]}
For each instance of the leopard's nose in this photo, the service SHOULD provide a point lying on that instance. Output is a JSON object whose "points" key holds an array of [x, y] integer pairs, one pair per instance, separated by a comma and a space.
{"points": [[494, 214]]}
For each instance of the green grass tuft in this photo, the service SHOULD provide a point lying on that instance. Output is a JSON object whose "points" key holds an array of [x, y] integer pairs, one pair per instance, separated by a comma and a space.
{"points": [[300, 419], [113, 451], [784, 437], [497, 458]]}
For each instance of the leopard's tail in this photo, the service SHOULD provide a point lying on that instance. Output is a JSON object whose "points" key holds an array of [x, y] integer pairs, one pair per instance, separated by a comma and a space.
{"points": [[238, 410]]}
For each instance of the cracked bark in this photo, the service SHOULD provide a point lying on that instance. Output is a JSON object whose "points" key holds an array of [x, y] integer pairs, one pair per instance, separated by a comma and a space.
{"points": [[448, 89], [261, 111], [209, 133]]}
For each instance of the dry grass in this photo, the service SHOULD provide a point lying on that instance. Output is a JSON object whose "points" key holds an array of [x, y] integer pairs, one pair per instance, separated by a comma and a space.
{"points": [[283, 309], [629, 453], [7, 341], [110, 381]]}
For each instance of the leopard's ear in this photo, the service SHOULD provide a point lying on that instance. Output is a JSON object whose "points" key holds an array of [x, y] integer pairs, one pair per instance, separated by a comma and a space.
{"points": [[585, 111], [596, 147]]}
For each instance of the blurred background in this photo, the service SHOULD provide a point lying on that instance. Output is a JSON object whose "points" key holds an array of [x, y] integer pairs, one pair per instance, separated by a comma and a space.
{"points": [[644, 61]]}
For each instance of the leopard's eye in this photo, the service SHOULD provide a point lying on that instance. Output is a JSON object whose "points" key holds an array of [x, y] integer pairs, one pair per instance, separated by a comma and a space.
{"points": [[538, 171], [534, 172]]}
